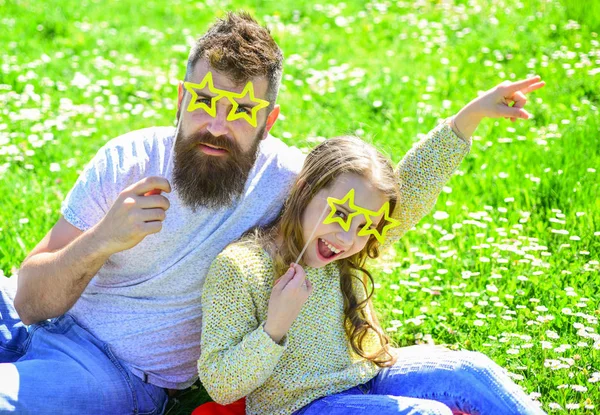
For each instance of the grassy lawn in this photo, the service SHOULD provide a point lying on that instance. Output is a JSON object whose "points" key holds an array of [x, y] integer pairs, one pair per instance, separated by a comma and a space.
{"points": [[508, 262]]}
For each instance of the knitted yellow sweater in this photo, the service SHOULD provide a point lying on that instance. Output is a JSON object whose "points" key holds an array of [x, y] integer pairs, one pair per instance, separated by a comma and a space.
{"points": [[315, 359]]}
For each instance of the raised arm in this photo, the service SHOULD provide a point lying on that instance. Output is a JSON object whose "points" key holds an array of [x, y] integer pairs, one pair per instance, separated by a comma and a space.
{"points": [[422, 173], [58, 269], [431, 162]]}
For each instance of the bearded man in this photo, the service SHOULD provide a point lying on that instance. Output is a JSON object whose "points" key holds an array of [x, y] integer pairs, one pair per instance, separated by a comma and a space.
{"points": [[111, 295]]}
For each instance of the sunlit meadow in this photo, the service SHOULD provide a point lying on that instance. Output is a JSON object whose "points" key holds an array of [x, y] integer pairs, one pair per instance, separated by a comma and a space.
{"points": [[508, 261]]}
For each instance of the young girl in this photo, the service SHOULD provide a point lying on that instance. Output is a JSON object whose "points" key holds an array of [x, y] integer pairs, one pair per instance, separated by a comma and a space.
{"points": [[309, 342]]}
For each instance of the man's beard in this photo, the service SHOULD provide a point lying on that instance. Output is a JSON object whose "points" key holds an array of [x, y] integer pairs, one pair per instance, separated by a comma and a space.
{"points": [[202, 180]]}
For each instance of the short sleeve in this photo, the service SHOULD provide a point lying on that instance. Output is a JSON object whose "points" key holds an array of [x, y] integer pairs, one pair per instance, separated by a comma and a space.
{"points": [[94, 191]]}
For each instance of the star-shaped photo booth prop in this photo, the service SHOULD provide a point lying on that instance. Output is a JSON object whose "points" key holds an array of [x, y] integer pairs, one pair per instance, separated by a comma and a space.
{"points": [[357, 210], [334, 203], [260, 104], [389, 223], [195, 103], [233, 97]]}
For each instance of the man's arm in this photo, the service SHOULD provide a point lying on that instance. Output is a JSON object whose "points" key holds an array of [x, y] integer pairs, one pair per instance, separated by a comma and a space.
{"points": [[56, 272]]}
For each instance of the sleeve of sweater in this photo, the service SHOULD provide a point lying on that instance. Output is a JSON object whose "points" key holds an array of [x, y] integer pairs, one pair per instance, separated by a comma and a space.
{"points": [[422, 173], [237, 355]]}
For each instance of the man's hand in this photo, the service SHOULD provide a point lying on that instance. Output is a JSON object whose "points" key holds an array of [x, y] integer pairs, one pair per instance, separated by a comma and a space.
{"points": [[138, 212], [58, 269], [289, 294], [496, 103]]}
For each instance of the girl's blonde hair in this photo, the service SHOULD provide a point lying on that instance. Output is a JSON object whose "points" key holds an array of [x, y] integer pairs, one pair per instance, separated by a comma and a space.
{"points": [[323, 165]]}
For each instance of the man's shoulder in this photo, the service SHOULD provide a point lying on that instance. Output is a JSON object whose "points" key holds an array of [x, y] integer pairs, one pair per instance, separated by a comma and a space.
{"points": [[139, 152], [146, 138], [285, 156]]}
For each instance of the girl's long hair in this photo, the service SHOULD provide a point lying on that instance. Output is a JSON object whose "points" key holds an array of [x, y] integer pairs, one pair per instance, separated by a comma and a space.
{"points": [[323, 165]]}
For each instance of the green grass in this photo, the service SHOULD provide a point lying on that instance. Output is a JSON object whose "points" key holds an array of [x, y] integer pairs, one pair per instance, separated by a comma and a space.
{"points": [[493, 276]]}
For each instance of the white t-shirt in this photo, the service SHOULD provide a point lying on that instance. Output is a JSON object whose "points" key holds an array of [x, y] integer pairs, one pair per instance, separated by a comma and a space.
{"points": [[145, 301]]}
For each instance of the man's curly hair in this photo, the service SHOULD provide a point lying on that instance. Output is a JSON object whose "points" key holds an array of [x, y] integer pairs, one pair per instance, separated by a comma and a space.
{"points": [[242, 49]]}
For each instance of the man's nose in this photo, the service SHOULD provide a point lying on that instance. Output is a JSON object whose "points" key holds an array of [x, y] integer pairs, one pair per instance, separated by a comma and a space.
{"points": [[217, 126]]}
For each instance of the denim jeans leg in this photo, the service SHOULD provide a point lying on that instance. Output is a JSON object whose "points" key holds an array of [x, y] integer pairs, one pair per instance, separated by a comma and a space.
{"points": [[465, 381], [13, 333], [68, 371], [355, 402]]}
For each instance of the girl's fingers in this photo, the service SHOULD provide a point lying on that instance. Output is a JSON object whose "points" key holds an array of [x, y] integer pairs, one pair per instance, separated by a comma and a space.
{"points": [[286, 278], [297, 267], [519, 85], [298, 280], [533, 87], [308, 285], [520, 100], [299, 275], [512, 112]]}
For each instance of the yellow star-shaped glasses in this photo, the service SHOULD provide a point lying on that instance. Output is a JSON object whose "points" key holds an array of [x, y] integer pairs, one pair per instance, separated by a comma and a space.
{"points": [[233, 98], [195, 104], [390, 223], [357, 210], [248, 90], [333, 203]]}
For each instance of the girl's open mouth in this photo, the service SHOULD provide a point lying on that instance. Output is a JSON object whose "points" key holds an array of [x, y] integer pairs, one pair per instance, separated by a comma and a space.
{"points": [[326, 251]]}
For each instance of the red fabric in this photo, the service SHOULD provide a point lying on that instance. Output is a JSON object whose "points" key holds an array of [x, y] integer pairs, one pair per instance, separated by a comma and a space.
{"points": [[235, 408], [213, 408]]}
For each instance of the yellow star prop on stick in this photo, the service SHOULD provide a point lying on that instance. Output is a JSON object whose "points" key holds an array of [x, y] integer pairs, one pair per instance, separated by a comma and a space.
{"points": [[357, 210], [333, 203], [390, 223], [248, 90], [233, 98], [194, 102]]}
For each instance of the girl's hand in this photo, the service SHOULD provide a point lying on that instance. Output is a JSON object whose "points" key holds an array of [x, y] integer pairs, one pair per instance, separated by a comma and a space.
{"points": [[289, 294], [496, 103]]}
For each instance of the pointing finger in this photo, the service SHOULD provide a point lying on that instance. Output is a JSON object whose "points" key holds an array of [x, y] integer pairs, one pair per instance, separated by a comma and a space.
{"points": [[519, 85], [533, 87]]}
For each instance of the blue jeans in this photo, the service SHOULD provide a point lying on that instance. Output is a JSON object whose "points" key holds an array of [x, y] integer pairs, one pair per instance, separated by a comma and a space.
{"points": [[432, 381], [57, 367]]}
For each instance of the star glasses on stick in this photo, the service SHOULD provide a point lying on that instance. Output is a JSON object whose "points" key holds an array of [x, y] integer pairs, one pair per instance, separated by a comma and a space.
{"points": [[245, 111], [355, 210]]}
